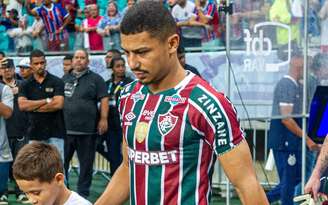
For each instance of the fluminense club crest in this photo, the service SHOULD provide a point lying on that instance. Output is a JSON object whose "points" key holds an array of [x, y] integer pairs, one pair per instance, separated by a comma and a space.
{"points": [[166, 122]]}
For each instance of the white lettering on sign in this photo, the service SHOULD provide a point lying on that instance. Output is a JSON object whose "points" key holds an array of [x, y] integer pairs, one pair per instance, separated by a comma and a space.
{"points": [[258, 47]]}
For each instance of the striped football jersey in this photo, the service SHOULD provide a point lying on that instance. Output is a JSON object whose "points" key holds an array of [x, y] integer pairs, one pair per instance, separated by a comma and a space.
{"points": [[173, 139]]}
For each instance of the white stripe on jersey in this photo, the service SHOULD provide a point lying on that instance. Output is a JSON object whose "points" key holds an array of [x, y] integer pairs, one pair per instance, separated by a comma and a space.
{"points": [[198, 131], [209, 182], [223, 111], [147, 149], [134, 144], [185, 81], [182, 131], [200, 151]]}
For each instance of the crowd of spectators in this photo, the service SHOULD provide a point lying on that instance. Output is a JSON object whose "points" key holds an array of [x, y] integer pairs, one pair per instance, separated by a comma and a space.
{"points": [[62, 25], [57, 25]]}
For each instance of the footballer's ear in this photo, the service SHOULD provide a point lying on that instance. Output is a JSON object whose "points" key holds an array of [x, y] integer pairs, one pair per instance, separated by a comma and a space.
{"points": [[173, 42]]}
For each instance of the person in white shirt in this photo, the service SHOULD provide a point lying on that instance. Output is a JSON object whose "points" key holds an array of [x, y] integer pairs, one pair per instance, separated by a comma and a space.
{"points": [[39, 172]]}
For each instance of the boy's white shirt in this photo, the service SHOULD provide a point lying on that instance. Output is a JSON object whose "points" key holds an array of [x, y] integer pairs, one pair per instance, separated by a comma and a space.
{"points": [[76, 199]]}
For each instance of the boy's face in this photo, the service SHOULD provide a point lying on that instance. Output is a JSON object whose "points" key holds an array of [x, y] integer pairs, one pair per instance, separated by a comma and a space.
{"points": [[42, 193]]}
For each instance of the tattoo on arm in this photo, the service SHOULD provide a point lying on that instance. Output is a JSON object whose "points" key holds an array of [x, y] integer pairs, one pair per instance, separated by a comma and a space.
{"points": [[323, 158]]}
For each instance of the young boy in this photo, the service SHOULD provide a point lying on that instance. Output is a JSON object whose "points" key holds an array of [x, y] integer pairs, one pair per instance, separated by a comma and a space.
{"points": [[38, 171]]}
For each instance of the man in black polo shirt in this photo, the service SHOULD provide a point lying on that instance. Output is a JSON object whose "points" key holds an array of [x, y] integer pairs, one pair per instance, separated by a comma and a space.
{"points": [[83, 90], [42, 96]]}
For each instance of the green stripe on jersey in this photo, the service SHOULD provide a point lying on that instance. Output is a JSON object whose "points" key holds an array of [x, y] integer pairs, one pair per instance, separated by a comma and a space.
{"points": [[130, 136], [155, 172]]}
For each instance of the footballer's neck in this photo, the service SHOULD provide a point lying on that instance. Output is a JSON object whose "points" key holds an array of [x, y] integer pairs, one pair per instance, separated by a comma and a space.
{"points": [[176, 74]]}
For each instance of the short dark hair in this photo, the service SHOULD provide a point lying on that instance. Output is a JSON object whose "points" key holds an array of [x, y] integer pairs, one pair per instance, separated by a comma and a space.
{"points": [[36, 53], [320, 60], [112, 63], [84, 50], [2, 53], [151, 17], [37, 161], [115, 51], [68, 57]]}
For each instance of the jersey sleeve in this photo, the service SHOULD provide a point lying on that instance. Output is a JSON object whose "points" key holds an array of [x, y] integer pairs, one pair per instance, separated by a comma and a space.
{"points": [[214, 117], [7, 97], [285, 93], [22, 90], [63, 11], [210, 10], [59, 88]]}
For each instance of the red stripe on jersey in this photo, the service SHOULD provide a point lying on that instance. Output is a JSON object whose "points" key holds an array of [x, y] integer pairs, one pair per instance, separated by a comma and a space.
{"points": [[198, 120], [140, 170], [204, 183]]}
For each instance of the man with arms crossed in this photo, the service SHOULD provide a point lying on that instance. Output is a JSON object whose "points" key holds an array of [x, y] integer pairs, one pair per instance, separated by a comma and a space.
{"points": [[173, 124], [42, 97]]}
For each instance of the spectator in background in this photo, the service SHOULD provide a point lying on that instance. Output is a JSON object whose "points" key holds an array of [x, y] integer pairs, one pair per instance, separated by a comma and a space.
{"points": [[171, 4], [71, 7], [113, 137], [6, 108], [17, 5], [67, 63], [246, 14], [90, 27], [320, 68], [21, 36], [55, 19], [109, 27], [10, 22], [110, 54], [83, 90], [2, 8], [191, 31], [207, 13], [129, 4], [285, 135], [281, 11], [182, 59], [38, 34], [81, 38], [42, 97], [24, 68], [16, 125]]}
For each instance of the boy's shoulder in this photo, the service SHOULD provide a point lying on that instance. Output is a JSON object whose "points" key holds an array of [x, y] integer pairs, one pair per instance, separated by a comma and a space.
{"points": [[76, 199]]}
